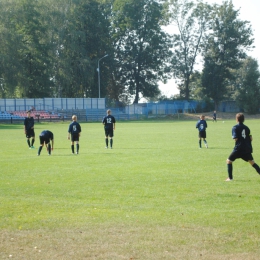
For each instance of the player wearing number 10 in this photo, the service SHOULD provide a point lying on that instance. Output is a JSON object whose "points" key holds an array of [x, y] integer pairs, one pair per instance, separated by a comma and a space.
{"points": [[243, 146], [109, 123]]}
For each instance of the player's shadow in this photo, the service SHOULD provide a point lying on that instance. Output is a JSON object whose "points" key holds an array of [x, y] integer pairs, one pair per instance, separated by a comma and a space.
{"points": [[216, 148]]}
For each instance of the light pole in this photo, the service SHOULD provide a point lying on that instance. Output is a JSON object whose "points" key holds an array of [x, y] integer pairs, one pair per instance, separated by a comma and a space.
{"points": [[99, 74]]}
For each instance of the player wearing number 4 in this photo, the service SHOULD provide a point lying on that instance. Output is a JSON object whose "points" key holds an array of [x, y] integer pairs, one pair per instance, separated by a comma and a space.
{"points": [[74, 131], [109, 123], [243, 146], [202, 125]]}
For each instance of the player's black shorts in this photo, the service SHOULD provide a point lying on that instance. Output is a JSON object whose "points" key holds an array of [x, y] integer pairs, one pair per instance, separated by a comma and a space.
{"points": [[74, 137], [202, 134], [43, 140], [30, 133], [236, 155], [109, 132]]}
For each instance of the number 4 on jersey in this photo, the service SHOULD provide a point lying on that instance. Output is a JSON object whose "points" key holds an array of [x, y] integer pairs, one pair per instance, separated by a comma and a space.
{"points": [[243, 133]]}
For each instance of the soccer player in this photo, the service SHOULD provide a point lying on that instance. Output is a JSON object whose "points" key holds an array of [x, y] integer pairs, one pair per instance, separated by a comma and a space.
{"points": [[214, 116], [109, 123], [29, 129], [74, 131], [47, 138], [202, 125], [243, 146]]}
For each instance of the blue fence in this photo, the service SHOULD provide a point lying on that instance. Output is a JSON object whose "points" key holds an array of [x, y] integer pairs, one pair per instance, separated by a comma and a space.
{"points": [[144, 110], [161, 108], [228, 106], [95, 108], [51, 104]]}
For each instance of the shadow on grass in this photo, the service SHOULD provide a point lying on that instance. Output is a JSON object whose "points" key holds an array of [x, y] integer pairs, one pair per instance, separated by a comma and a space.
{"points": [[80, 154], [11, 127], [133, 148], [218, 148]]}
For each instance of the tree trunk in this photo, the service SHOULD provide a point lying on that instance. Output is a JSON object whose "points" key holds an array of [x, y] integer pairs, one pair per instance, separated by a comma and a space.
{"points": [[187, 91], [216, 105], [136, 96], [137, 87]]}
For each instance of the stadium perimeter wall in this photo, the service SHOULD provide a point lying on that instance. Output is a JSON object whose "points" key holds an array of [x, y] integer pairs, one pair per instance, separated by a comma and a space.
{"points": [[90, 109], [94, 109], [51, 104]]}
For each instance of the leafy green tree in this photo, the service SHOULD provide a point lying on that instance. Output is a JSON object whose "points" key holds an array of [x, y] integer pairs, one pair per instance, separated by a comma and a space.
{"points": [[247, 93], [195, 86], [191, 19], [214, 80], [51, 48], [9, 49], [228, 42], [142, 48], [33, 52], [81, 37], [24, 49]]}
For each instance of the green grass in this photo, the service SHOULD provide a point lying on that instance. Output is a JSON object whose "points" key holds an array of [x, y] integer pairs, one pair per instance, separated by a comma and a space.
{"points": [[154, 196]]}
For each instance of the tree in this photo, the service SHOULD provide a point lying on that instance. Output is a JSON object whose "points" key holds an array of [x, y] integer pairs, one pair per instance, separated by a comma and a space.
{"points": [[247, 93], [191, 20], [228, 42], [51, 48], [214, 80], [195, 86], [141, 46], [9, 46], [25, 60], [33, 52], [81, 37]]}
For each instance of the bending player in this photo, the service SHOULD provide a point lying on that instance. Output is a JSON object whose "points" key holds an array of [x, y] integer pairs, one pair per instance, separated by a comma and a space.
{"points": [[47, 138]]}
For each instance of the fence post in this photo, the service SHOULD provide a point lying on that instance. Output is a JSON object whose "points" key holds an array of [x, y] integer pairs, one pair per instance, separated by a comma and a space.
{"points": [[38, 116]]}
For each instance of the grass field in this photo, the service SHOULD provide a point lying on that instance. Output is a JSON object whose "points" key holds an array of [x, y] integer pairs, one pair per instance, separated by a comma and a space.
{"points": [[156, 195]]}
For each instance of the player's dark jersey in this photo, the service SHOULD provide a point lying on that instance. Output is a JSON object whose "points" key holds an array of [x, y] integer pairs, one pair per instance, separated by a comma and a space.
{"points": [[74, 128], [46, 134], [108, 121], [28, 123], [243, 143], [201, 125]]}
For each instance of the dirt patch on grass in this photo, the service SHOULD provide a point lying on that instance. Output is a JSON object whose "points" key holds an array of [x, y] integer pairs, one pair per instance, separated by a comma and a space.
{"points": [[122, 242]]}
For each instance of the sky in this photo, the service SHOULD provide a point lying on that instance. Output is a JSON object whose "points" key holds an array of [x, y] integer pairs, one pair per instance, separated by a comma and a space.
{"points": [[249, 11]]}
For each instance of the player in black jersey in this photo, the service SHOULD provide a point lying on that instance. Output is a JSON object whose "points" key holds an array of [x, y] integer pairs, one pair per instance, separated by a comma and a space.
{"points": [[74, 134], [29, 129], [47, 138], [214, 116], [202, 125], [109, 123], [243, 146]]}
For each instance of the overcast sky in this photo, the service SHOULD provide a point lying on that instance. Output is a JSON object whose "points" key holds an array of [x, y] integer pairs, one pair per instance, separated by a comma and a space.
{"points": [[250, 11]]}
